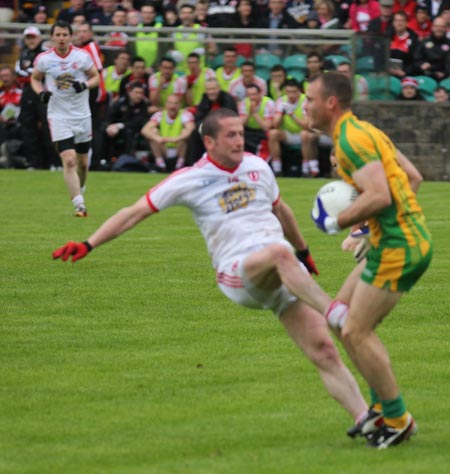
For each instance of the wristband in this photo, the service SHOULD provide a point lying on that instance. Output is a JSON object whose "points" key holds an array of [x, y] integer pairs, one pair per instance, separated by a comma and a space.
{"points": [[88, 245]]}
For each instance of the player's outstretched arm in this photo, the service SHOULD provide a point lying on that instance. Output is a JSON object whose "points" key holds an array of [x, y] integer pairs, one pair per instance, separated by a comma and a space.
{"points": [[116, 225], [294, 236]]}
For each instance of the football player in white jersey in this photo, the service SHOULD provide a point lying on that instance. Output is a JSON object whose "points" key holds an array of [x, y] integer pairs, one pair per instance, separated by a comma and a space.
{"points": [[235, 201], [69, 73]]}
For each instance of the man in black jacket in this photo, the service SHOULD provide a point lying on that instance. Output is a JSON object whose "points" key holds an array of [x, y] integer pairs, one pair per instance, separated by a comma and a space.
{"points": [[214, 98]]}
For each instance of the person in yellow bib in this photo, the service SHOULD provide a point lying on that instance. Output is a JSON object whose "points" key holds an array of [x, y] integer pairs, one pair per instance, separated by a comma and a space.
{"points": [[146, 44], [168, 132], [288, 122], [230, 71], [113, 75], [196, 79], [256, 112], [184, 42], [400, 249]]}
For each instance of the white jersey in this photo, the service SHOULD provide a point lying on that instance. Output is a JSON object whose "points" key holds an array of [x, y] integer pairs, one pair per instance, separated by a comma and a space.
{"points": [[60, 72], [239, 90], [232, 208]]}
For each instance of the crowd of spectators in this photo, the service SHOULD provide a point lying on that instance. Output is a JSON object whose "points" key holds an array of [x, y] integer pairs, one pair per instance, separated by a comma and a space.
{"points": [[154, 95]]}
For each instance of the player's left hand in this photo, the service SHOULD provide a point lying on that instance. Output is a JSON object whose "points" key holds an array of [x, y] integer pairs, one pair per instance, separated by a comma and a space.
{"points": [[79, 86], [325, 222], [77, 250], [305, 257]]}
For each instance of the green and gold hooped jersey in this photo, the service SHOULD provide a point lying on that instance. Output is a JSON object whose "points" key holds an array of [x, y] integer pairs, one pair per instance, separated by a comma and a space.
{"points": [[288, 123], [173, 129], [402, 223]]}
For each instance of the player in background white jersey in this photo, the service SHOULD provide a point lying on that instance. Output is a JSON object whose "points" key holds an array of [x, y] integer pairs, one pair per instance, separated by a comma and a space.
{"points": [[236, 203], [68, 73]]}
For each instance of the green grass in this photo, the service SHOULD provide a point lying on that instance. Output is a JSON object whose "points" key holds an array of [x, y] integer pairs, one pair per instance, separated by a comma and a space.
{"points": [[131, 361]]}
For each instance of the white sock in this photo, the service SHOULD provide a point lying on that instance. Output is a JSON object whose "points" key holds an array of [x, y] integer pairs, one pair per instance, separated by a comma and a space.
{"points": [[160, 163], [314, 166], [305, 168], [276, 166], [337, 314], [78, 200], [83, 189]]}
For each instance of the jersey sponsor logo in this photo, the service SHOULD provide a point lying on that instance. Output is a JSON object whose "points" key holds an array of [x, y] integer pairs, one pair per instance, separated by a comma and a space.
{"points": [[64, 81], [74, 65], [237, 197]]}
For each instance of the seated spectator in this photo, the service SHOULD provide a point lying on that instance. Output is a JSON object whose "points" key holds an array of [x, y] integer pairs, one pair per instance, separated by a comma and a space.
{"points": [[164, 83], [288, 122], [170, 16], [362, 12], [343, 11], [201, 13], [432, 56], [76, 7], [40, 15], [138, 74], [436, 7], [196, 79], [238, 87], [383, 23], [230, 70], [314, 67], [275, 83], [220, 12], [402, 47], [113, 75], [360, 85], [124, 122], [10, 97], [133, 18], [420, 23], [243, 19], [410, 89], [168, 132], [406, 6], [256, 112], [213, 98], [103, 15], [278, 18], [441, 95], [117, 39], [326, 11]]}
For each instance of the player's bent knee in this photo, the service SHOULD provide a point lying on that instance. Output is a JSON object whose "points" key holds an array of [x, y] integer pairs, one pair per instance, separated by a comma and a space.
{"points": [[324, 354], [280, 253]]}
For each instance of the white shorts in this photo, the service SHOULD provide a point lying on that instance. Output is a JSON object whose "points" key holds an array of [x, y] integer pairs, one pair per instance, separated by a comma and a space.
{"points": [[79, 129], [292, 138], [235, 285]]}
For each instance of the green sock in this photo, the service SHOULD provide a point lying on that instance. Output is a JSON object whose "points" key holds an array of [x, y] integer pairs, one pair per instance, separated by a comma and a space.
{"points": [[374, 397], [394, 408]]}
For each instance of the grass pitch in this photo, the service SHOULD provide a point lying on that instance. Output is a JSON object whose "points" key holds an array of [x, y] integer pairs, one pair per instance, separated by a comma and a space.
{"points": [[132, 361]]}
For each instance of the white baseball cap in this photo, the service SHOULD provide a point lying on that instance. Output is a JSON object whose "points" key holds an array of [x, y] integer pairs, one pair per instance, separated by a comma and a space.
{"points": [[31, 31]]}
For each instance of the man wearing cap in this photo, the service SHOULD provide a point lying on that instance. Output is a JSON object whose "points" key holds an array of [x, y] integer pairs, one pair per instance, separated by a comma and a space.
{"points": [[69, 73], [33, 113], [383, 23]]}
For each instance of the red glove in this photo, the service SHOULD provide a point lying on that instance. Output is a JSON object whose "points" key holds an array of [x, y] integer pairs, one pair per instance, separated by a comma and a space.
{"points": [[305, 257], [78, 250]]}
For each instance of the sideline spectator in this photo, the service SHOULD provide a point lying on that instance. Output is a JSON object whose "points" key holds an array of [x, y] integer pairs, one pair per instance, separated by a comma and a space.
{"points": [[441, 95], [220, 12], [40, 15], [256, 112], [125, 120], [360, 85], [362, 12], [77, 7], [314, 67], [146, 45], [214, 98], [138, 74], [242, 20], [410, 90], [402, 47], [406, 6], [275, 83], [113, 75], [238, 87], [230, 71], [288, 122], [170, 16], [103, 15], [278, 18], [383, 23], [420, 23], [168, 132], [436, 7], [326, 12], [164, 83], [432, 56], [201, 13], [196, 79]]}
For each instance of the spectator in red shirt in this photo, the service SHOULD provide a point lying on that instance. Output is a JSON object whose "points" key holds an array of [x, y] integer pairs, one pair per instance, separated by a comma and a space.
{"points": [[362, 12], [403, 45], [420, 23], [407, 6]]}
